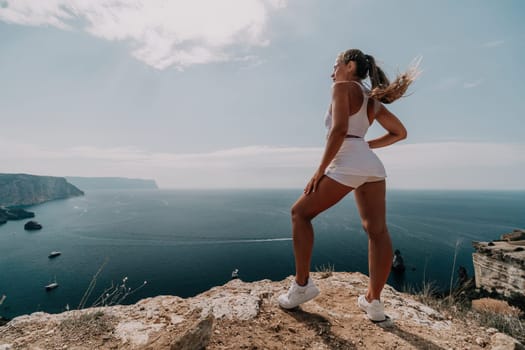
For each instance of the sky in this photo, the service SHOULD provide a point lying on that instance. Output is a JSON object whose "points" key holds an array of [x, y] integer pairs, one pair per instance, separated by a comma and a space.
{"points": [[232, 93]]}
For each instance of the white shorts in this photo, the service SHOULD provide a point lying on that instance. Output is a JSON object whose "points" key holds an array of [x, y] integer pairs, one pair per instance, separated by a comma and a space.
{"points": [[353, 181]]}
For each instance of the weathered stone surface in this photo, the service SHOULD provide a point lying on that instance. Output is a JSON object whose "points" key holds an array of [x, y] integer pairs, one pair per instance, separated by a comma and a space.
{"points": [[197, 337], [231, 305], [516, 235], [135, 332], [499, 266], [500, 341], [240, 315]]}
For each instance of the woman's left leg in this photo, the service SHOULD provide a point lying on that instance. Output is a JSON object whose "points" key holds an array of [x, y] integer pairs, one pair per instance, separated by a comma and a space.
{"points": [[370, 198]]}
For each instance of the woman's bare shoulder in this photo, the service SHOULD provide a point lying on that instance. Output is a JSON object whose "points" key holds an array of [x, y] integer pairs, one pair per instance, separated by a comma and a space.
{"points": [[347, 86], [344, 84]]}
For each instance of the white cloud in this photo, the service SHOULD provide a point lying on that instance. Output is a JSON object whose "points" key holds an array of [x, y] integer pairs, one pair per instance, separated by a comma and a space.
{"points": [[472, 84], [455, 165], [494, 43], [161, 33], [253, 156], [459, 165], [447, 83], [453, 155]]}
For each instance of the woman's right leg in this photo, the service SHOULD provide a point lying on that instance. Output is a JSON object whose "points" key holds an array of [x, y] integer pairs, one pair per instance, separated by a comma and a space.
{"points": [[328, 193]]}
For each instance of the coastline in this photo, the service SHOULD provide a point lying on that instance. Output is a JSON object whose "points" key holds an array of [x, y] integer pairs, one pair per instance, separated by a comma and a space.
{"points": [[241, 229]]}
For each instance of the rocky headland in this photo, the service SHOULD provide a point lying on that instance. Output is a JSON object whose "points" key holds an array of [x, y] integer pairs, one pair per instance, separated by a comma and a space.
{"points": [[240, 315], [24, 189], [499, 266]]}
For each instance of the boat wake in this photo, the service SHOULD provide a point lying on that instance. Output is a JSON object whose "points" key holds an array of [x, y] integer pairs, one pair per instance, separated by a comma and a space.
{"points": [[170, 242]]}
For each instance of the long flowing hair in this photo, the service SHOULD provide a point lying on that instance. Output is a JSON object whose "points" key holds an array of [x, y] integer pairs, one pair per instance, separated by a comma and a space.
{"points": [[382, 89]]}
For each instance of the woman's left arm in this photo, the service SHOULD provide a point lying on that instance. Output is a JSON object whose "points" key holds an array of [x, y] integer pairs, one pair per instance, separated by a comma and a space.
{"points": [[396, 129], [340, 113]]}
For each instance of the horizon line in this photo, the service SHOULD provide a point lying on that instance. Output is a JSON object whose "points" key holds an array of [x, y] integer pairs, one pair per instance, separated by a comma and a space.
{"points": [[300, 188]]}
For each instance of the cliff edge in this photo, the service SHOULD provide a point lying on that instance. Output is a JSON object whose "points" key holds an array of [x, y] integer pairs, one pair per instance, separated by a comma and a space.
{"points": [[24, 189], [240, 315]]}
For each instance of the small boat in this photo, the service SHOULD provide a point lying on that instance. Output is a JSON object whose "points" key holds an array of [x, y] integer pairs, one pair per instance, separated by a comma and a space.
{"points": [[51, 286], [235, 274], [54, 254]]}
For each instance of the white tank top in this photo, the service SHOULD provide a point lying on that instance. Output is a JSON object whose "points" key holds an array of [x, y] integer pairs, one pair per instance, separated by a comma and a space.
{"points": [[358, 122], [355, 156]]}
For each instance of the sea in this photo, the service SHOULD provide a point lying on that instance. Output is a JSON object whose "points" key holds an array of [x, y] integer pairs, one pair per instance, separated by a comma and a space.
{"points": [[183, 242]]}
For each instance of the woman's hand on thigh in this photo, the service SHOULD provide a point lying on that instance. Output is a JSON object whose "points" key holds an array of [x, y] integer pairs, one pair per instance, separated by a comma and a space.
{"points": [[312, 184]]}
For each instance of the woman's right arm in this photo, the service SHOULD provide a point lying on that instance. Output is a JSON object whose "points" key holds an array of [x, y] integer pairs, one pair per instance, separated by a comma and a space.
{"points": [[396, 129]]}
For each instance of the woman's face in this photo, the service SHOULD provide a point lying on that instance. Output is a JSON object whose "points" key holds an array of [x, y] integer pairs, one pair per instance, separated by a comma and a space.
{"points": [[342, 71]]}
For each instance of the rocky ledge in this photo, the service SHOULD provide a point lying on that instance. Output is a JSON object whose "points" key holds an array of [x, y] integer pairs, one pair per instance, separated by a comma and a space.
{"points": [[240, 315]]}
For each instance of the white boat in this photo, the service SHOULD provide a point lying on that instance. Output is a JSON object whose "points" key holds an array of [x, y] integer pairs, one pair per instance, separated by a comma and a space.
{"points": [[52, 286], [235, 273], [54, 254]]}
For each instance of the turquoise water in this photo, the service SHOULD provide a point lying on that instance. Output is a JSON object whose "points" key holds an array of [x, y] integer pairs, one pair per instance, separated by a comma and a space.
{"points": [[184, 242]]}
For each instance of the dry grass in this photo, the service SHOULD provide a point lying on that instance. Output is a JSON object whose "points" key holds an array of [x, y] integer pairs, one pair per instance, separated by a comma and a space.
{"points": [[491, 314], [325, 270], [511, 325], [495, 306], [463, 302], [92, 324], [115, 294]]}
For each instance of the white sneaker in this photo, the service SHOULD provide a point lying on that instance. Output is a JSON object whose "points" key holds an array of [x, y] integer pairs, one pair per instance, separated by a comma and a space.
{"points": [[297, 294], [375, 310]]}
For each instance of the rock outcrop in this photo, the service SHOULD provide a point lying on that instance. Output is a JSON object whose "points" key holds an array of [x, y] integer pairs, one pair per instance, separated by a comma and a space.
{"points": [[32, 226], [240, 315], [516, 235], [499, 266], [14, 214], [24, 189]]}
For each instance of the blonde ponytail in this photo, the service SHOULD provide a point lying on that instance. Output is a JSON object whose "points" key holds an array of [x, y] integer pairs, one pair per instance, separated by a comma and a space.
{"points": [[388, 92], [382, 89]]}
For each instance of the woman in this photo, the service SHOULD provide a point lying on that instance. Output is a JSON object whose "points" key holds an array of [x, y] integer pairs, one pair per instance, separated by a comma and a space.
{"points": [[348, 164]]}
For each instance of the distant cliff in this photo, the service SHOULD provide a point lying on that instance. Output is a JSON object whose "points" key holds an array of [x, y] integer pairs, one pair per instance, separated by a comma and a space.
{"points": [[24, 189], [111, 183]]}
